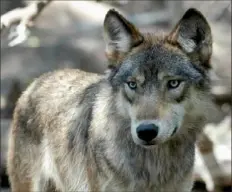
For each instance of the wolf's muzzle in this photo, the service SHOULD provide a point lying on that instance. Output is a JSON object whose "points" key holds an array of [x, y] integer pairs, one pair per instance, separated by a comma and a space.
{"points": [[147, 132]]}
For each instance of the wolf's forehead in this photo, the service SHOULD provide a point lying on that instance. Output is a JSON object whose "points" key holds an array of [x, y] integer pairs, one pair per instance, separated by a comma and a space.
{"points": [[155, 60], [158, 57]]}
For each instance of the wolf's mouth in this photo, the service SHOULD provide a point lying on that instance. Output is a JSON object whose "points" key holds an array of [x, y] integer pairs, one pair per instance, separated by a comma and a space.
{"points": [[148, 144], [174, 131]]}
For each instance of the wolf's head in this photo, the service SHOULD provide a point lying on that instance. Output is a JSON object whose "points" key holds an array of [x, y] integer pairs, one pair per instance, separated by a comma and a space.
{"points": [[161, 83]]}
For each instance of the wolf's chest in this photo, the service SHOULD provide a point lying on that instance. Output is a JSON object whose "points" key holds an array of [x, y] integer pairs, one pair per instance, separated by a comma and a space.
{"points": [[143, 170], [146, 178], [163, 167]]}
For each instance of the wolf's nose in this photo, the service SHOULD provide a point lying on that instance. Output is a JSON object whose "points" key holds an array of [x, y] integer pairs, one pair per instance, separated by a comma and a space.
{"points": [[147, 132]]}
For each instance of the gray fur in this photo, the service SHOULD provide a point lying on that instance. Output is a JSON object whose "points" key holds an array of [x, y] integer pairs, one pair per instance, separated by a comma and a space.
{"points": [[75, 131]]}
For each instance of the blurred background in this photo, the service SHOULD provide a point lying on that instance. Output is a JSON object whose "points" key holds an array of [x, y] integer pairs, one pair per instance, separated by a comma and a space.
{"points": [[68, 34]]}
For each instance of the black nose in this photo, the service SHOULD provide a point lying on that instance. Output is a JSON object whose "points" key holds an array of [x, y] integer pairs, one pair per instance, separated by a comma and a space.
{"points": [[147, 132]]}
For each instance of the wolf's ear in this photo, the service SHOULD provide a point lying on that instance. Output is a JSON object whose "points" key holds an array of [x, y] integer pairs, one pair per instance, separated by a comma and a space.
{"points": [[193, 34], [120, 35]]}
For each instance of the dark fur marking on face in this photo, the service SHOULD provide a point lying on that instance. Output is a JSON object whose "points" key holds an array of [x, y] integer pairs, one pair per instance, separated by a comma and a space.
{"points": [[181, 98], [150, 62], [182, 95], [154, 59], [203, 82], [174, 131], [126, 97]]}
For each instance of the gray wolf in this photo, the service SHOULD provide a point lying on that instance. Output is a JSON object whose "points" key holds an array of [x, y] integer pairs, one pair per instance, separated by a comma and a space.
{"points": [[131, 129]]}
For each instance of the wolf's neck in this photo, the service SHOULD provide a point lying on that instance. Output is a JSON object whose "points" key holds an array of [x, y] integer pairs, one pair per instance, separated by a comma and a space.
{"points": [[147, 165]]}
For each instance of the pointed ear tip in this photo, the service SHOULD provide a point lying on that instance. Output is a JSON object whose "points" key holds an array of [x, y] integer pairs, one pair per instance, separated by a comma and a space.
{"points": [[111, 12], [192, 9], [193, 12]]}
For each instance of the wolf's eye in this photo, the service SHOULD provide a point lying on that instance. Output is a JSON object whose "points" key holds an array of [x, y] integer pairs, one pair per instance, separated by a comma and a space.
{"points": [[132, 84], [172, 84]]}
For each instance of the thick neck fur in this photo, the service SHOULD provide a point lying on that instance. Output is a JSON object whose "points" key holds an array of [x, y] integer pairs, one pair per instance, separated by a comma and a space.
{"points": [[113, 145]]}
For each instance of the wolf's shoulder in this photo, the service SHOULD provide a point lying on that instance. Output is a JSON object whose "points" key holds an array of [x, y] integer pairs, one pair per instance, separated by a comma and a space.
{"points": [[59, 87]]}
